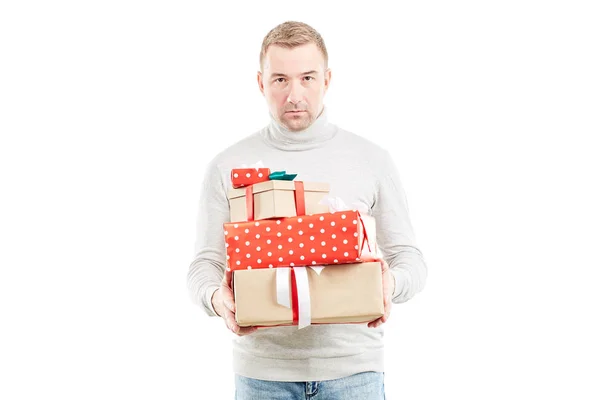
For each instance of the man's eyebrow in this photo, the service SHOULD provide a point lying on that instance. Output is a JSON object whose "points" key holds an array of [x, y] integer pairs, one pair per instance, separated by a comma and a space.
{"points": [[278, 74]]}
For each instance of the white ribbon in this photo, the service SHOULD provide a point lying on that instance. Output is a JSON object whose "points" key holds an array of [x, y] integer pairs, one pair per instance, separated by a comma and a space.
{"points": [[302, 288], [283, 287]]}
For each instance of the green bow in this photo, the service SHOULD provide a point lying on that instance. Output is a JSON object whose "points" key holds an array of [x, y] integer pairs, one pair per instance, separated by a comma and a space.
{"points": [[281, 176]]}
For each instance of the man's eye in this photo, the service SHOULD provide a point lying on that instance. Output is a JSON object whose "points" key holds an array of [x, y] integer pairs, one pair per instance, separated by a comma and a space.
{"points": [[308, 78], [280, 80]]}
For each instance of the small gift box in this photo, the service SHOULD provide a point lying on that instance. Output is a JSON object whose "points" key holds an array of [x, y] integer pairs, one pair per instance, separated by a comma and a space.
{"points": [[241, 177], [329, 238], [301, 296], [276, 199]]}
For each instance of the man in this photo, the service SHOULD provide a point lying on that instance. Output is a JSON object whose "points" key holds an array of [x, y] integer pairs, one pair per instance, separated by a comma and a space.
{"points": [[338, 361]]}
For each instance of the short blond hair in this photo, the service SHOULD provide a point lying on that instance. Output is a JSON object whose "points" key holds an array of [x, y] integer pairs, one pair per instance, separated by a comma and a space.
{"points": [[291, 34]]}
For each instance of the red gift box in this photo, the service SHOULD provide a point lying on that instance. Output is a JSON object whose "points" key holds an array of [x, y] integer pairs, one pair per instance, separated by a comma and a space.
{"points": [[241, 177], [318, 239]]}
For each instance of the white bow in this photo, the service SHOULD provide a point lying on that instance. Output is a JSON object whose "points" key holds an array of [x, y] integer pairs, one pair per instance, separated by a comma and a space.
{"points": [[256, 165]]}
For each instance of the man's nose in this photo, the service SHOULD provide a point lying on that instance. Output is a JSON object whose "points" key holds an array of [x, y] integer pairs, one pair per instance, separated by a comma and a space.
{"points": [[296, 92]]}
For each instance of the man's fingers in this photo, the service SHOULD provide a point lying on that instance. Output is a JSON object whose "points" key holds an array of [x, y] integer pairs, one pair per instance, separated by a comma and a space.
{"points": [[246, 330], [227, 276], [386, 297], [226, 292], [229, 318], [386, 316], [241, 331], [232, 325], [376, 323], [228, 300], [387, 310], [384, 265], [235, 328]]}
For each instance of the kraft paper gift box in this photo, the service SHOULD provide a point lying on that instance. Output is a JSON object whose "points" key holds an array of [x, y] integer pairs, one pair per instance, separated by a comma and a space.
{"points": [[349, 293], [276, 199], [328, 238]]}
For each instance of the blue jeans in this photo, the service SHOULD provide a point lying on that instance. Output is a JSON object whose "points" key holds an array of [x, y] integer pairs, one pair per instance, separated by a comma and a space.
{"points": [[363, 386]]}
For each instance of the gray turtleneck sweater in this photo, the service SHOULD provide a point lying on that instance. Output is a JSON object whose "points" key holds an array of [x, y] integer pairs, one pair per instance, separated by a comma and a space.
{"points": [[358, 171]]}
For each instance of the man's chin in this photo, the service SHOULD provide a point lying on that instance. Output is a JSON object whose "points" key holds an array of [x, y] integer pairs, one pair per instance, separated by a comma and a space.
{"points": [[296, 124]]}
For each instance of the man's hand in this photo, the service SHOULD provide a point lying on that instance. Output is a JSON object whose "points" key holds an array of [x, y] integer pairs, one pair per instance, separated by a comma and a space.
{"points": [[224, 305], [389, 284]]}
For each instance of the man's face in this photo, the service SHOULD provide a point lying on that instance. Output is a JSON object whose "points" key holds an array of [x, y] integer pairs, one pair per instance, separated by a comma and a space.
{"points": [[294, 82]]}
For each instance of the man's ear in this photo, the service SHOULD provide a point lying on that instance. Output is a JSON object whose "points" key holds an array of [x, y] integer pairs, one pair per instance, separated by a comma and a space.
{"points": [[327, 78], [259, 80]]}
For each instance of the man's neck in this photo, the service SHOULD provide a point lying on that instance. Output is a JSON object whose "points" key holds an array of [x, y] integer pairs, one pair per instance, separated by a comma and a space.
{"points": [[315, 135]]}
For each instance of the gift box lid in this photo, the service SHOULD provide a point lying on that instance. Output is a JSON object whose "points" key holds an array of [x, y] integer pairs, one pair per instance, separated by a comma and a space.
{"points": [[278, 185]]}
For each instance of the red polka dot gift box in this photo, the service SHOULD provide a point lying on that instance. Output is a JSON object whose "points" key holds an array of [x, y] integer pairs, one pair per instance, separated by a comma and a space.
{"points": [[277, 199], [308, 240], [241, 177]]}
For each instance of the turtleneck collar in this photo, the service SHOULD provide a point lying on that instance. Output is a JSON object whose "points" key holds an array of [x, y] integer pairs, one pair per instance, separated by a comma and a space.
{"points": [[316, 135]]}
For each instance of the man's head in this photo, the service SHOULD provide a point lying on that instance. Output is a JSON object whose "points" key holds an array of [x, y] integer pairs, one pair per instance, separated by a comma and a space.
{"points": [[293, 75]]}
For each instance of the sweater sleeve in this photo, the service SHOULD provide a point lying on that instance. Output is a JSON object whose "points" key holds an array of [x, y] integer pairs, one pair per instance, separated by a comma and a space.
{"points": [[395, 235], [208, 266]]}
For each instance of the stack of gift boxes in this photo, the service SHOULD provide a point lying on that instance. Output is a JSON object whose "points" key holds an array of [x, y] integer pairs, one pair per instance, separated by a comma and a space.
{"points": [[295, 261]]}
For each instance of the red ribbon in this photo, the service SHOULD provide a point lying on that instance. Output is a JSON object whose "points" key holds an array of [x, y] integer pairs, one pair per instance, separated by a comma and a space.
{"points": [[294, 298], [250, 203], [299, 198], [365, 237]]}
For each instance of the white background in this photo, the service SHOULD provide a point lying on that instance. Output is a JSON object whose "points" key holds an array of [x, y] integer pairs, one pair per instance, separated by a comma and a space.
{"points": [[109, 112]]}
